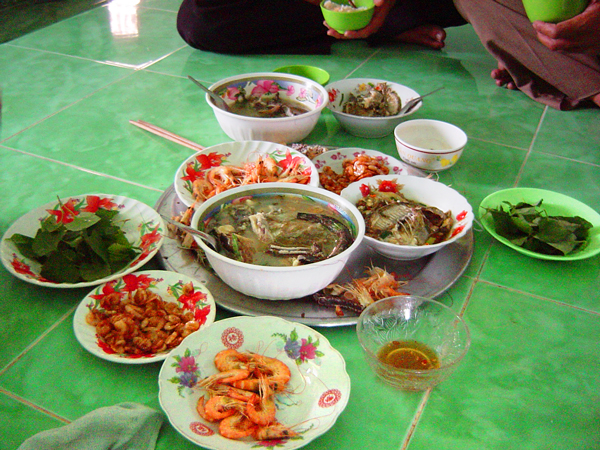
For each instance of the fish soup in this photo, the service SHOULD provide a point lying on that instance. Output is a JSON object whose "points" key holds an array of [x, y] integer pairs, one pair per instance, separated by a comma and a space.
{"points": [[280, 229]]}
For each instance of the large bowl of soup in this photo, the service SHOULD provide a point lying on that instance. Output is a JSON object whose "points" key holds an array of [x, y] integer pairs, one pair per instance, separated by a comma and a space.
{"points": [[279, 241], [268, 106]]}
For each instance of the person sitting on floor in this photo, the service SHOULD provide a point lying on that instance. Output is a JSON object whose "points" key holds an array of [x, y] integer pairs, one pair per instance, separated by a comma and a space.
{"points": [[555, 64], [297, 26]]}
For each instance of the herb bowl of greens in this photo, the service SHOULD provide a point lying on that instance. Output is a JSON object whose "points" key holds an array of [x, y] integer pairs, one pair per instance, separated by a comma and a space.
{"points": [[82, 241], [542, 224]]}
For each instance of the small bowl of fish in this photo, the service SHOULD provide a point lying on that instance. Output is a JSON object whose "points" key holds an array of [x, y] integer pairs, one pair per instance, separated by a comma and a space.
{"points": [[408, 217], [279, 241], [268, 106], [369, 107]]}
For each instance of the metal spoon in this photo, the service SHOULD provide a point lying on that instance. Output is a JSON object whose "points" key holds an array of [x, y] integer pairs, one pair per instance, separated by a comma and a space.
{"points": [[218, 100], [210, 240], [413, 102]]}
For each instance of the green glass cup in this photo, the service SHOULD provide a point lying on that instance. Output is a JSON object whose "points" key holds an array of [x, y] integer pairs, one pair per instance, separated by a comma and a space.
{"points": [[553, 11]]}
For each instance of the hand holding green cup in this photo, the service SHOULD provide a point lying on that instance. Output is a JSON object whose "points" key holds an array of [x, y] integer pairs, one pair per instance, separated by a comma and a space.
{"points": [[553, 11]]}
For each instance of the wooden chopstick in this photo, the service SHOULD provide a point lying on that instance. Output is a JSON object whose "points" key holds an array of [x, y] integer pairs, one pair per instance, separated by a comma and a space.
{"points": [[166, 134]]}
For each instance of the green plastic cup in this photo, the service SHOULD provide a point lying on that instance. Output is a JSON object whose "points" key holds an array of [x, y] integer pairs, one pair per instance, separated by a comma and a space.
{"points": [[342, 21], [553, 11], [314, 73]]}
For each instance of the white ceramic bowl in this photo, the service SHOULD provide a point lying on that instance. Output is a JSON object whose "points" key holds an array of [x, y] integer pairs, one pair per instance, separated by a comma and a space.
{"points": [[236, 154], [428, 192], [279, 283], [428, 144], [281, 130], [368, 127]]}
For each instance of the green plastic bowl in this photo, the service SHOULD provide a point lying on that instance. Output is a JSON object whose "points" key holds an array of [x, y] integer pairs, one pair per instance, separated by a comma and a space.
{"points": [[342, 21], [556, 205], [553, 11], [314, 73]]}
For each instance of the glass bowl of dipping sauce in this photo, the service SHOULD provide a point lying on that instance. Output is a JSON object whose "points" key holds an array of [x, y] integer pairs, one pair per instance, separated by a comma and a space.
{"points": [[412, 343]]}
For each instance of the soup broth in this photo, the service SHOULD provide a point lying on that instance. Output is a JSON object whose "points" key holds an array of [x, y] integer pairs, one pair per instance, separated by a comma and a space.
{"points": [[280, 230], [268, 107]]}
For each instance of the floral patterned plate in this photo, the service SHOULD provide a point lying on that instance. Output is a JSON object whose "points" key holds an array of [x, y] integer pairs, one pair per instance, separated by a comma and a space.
{"points": [[236, 154], [334, 159], [142, 225], [168, 285], [318, 389]]}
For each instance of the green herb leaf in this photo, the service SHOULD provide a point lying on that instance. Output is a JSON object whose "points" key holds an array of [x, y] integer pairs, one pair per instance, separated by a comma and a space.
{"points": [[530, 227]]}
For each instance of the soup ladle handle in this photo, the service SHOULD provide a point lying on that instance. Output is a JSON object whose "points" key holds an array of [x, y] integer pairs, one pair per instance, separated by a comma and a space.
{"points": [[210, 240], [218, 100]]}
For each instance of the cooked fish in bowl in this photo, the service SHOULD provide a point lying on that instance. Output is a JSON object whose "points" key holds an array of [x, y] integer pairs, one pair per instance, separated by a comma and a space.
{"points": [[369, 107], [279, 241], [409, 217]]}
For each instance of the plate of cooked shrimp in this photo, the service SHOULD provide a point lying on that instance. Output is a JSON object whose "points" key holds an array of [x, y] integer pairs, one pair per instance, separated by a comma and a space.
{"points": [[249, 382], [231, 164]]}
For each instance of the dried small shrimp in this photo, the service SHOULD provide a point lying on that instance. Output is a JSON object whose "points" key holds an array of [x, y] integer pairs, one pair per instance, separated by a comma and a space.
{"points": [[264, 169], [141, 323], [241, 396], [360, 292], [362, 166]]}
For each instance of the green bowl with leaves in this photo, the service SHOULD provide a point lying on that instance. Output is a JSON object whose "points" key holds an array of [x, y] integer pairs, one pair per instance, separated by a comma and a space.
{"points": [[542, 224]]}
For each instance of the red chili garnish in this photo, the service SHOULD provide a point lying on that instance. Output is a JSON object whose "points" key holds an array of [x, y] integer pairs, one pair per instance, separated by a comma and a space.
{"points": [[388, 186], [365, 189], [457, 230], [461, 215]]}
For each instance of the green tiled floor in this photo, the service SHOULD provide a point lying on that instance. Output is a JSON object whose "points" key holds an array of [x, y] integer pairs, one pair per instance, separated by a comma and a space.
{"points": [[530, 379]]}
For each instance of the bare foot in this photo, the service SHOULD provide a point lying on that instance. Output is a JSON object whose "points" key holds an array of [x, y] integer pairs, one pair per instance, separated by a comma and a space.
{"points": [[596, 99], [503, 78], [430, 36]]}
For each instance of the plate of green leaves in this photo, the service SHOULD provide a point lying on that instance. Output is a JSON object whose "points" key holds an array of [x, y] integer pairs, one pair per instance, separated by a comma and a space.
{"points": [[82, 241], [542, 224]]}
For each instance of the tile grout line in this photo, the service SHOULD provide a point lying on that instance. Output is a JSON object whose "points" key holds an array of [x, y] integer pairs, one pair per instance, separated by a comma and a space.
{"points": [[33, 406], [83, 169], [529, 150], [40, 337]]}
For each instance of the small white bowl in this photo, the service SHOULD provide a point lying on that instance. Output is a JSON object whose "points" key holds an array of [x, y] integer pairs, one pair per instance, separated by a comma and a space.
{"points": [[368, 127], [428, 144], [427, 192], [281, 130], [279, 283]]}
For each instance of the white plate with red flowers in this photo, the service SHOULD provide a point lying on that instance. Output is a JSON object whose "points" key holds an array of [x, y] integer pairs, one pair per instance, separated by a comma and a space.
{"points": [[315, 396], [197, 168], [141, 225], [144, 339]]}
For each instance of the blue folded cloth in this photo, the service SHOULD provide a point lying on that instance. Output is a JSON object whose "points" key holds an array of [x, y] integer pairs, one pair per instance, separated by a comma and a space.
{"points": [[125, 426]]}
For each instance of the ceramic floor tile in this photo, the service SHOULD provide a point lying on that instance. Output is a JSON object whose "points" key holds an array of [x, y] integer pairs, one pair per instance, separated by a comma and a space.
{"points": [[22, 17], [211, 67], [580, 181], [42, 84], [51, 180], [573, 282], [529, 380], [114, 34], [18, 421], [67, 393], [470, 99], [167, 5], [96, 133], [572, 135]]}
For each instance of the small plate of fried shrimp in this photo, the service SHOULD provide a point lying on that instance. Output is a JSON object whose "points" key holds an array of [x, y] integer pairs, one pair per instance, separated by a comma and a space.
{"points": [[254, 382], [340, 167], [141, 317], [224, 166]]}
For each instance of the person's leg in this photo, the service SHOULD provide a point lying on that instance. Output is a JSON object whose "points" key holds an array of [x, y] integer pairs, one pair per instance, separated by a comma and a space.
{"points": [[557, 79], [420, 22], [253, 26]]}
